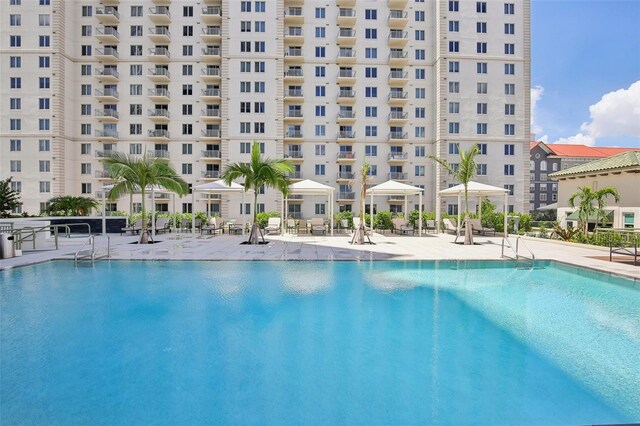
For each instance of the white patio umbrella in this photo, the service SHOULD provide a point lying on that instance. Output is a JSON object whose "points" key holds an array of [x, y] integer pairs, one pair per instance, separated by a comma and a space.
{"points": [[217, 187], [392, 187], [310, 187], [475, 189]]}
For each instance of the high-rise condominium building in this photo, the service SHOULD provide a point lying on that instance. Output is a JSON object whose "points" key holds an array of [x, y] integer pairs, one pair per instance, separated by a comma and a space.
{"points": [[327, 84]]}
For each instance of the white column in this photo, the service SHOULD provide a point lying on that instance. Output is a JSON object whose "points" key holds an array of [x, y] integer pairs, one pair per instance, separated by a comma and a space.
{"points": [[193, 212], [244, 214], [406, 207], [480, 208], [174, 212], [438, 215], [104, 213], [506, 203], [459, 212], [331, 211], [371, 213], [153, 212], [420, 211]]}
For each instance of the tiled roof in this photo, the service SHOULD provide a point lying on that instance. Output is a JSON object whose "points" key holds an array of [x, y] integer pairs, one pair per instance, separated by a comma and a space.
{"points": [[569, 150], [626, 160]]}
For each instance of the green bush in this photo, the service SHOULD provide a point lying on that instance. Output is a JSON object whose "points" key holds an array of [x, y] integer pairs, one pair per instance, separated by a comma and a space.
{"points": [[263, 218], [383, 220], [348, 216]]}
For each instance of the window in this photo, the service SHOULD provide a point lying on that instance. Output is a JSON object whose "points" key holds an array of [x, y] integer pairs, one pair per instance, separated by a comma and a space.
{"points": [[259, 46], [260, 26], [371, 111], [320, 32], [421, 93], [258, 128], [320, 130], [136, 30], [320, 12], [454, 87], [481, 27], [371, 33], [370, 14], [44, 166], [454, 127], [420, 74], [454, 26], [187, 129], [419, 170], [509, 48], [16, 186], [453, 5], [15, 62], [135, 69], [321, 91], [454, 46], [85, 69], [371, 92], [187, 50], [320, 111], [15, 82], [135, 149], [135, 129], [420, 112], [509, 89], [245, 147], [509, 149], [187, 149], [454, 148], [509, 129], [245, 26], [481, 7], [245, 86], [259, 86], [509, 8], [15, 20], [45, 186], [509, 170], [371, 72], [261, 6], [44, 145], [320, 169], [245, 6], [43, 103], [135, 109], [509, 109], [370, 52], [454, 107], [15, 103], [87, 11], [481, 108], [85, 168], [420, 35], [15, 124], [258, 107], [259, 66], [370, 150], [320, 209], [15, 41], [187, 11], [245, 107], [187, 168], [320, 71], [320, 150], [85, 148], [371, 130], [245, 46], [509, 188], [509, 69], [15, 145], [187, 89], [85, 50], [420, 54], [481, 67], [454, 66], [15, 166], [420, 132], [481, 128], [245, 127], [481, 88], [136, 11], [481, 169], [245, 66], [86, 30], [85, 188], [509, 29], [187, 30], [481, 47], [320, 52], [45, 41], [420, 151], [419, 15]]}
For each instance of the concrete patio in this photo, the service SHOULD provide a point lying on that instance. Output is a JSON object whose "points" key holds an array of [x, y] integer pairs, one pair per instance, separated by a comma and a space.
{"points": [[185, 246]]}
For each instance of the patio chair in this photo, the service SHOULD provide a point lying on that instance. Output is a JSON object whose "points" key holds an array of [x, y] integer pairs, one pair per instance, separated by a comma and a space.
{"points": [[185, 224], [214, 225], [344, 225], [400, 226], [292, 226], [134, 229], [450, 226], [476, 226], [273, 226], [317, 225], [235, 227], [162, 225], [430, 226]]}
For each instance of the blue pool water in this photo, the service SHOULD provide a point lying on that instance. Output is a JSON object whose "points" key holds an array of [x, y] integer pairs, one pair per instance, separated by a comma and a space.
{"points": [[317, 343]]}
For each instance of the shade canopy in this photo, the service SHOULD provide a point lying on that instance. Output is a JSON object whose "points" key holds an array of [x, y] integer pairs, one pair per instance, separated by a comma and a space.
{"points": [[392, 187], [473, 189], [219, 186], [308, 186], [592, 216], [553, 206], [149, 188]]}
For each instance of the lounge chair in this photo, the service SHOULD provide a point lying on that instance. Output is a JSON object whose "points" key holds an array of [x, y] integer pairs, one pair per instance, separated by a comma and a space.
{"points": [[273, 226], [214, 225], [134, 229], [162, 225], [450, 226], [476, 226], [344, 225], [235, 227], [317, 225], [400, 226]]}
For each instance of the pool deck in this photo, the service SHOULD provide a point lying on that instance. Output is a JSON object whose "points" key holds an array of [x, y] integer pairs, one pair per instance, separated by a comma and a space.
{"points": [[172, 246]]}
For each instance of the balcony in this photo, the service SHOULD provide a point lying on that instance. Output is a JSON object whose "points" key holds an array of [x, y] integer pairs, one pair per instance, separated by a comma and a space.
{"points": [[159, 75], [396, 199], [212, 14], [346, 16], [398, 117], [346, 56], [159, 94], [211, 54], [107, 115], [346, 96], [398, 57], [398, 19], [346, 37], [293, 2], [107, 15], [293, 199], [346, 136], [397, 157], [160, 14], [397, 4], [107, 35], [398, 98], [210, 94], [210, 74], [345, 176], [294, 155], [211, 35], [211, 134], [293, 95], [346, 117], [158, 153], [293, 116], [293, 55], [106, 134], [294, 35], [108, 54], [346, 76], [211, 155], [102, 175], [397, 176], [293, 75], [107, 95], [159, 54], [346, 157], [158, 134], [292, 135], [295, 175], [159, 115], [209, 115], [161, 2], [293, 15], [398, 38], [399, 78], [105, 153], [398, 137], [159, 34], [108, 75], [210, 174], [345, 196]]}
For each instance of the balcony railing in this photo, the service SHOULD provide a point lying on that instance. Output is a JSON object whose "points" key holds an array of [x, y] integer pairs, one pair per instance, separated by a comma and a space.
{"points": [[211, 92], [293, 134], [210, 112], [293, 73], [212, 11], [346, 32], [212, 31], [211, 154], [346, 74], [212, 72], [160, 10], [295, 175], [212, 51], [346, 134], [164, 31], [346, 175], [211, 133], [398, 35], [293, 52], [397, 156], [107, 92], [159, 113], [397, 175], [211, 174], [158, 91], [107, 11], [346, 156], [107, 113], [106, 133], [160, 72], [347, 54], [346, 13], [398, 14], [293, 154], [159, 153], [293, 92], [159, 51], [102, 174], [158, 133], [293, 11], [293, 114], [107, 51], [398, 115], [398, 54], [346, 195], [104, 153], [110, 72], [346, 114], [347, 94], [398, 74], [398, 135], [107, 31], [398, 95], [293, 32]]}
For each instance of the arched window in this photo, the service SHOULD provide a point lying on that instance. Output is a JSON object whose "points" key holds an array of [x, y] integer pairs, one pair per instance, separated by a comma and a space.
{"points": [[543, 166], [554, 167]]}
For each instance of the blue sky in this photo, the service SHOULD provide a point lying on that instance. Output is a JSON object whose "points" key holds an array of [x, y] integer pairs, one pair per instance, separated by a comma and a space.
{"points": [[580, 51]]}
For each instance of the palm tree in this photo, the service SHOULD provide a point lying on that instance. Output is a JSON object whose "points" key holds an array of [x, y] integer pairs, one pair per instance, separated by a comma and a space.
{"points": [[134, 173], [9, 199], [259, 172], [467, 169], [71, 206], [586, 207]]}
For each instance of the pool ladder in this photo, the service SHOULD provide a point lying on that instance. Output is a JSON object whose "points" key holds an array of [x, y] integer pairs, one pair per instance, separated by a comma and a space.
{"points": [[89, 250], [522, 261]]}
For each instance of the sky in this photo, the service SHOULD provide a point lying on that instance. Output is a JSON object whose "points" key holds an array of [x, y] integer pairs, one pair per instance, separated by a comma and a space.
{"points": [[585, 76]]}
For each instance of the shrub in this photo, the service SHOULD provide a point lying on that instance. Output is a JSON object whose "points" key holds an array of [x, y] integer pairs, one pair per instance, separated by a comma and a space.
{"points": [[382, 220], [263, 218], [348, 216]]}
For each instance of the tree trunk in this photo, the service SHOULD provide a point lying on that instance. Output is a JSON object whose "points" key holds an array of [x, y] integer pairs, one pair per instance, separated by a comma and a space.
{"points": [[144, 233], [359, 234], [468, 232]]}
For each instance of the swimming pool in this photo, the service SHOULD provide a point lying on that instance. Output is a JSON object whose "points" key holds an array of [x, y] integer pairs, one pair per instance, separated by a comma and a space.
{"points": [[317, 343]]}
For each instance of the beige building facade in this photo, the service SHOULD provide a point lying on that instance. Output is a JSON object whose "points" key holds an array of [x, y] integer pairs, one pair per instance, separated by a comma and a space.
{"points": [[326, 84]]}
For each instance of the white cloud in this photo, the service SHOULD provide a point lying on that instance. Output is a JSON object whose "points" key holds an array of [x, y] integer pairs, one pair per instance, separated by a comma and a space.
{"points": [[616, 114], [536, 95]]}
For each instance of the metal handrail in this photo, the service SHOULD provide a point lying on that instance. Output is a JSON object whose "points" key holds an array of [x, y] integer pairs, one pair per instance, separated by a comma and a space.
{"points": [[92, 253], [515, 254], [533, 256]]}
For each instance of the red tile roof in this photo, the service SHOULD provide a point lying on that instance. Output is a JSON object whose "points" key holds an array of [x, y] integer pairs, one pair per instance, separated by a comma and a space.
{"points": [[570, 150]]}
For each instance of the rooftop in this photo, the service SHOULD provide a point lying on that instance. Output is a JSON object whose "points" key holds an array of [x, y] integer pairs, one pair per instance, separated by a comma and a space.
{"points": [[582, 151], [626, 161]]}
